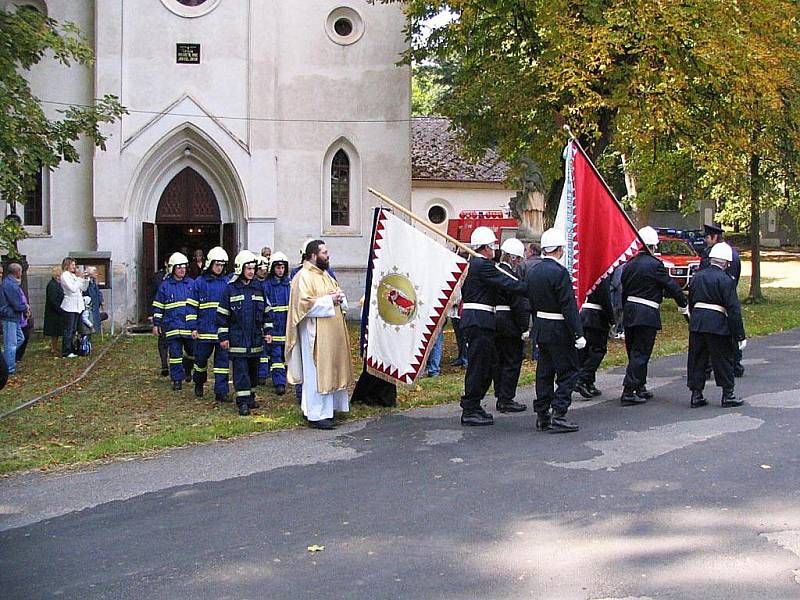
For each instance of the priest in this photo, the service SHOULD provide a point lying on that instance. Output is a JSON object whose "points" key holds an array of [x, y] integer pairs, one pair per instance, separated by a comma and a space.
{"points": [[317, 345]]}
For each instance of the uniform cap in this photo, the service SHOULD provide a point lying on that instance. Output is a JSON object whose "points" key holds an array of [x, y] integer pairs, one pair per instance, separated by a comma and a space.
{"points": [[721, 251], [553, 238], [513, 247], [482, 236], [649, 236], [712, 229]]}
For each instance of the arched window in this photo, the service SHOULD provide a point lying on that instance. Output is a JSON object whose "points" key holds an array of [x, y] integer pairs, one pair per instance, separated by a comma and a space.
{"points": [[340, 189]]}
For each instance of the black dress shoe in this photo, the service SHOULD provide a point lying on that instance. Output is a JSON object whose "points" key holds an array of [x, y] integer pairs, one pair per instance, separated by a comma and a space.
{"points": [[510, 407], [729, 400], [583, 390], [542, 421], [593, 389], [628, 398], [280, 389], [198, 390], [560, 424], [476, 419], [738, 372], [644, 393], [697, 399], [322, 424], [222, 398], [483, 413], [188, 378], [164, 372], [253, 404], [244, 410], [177, 385]]}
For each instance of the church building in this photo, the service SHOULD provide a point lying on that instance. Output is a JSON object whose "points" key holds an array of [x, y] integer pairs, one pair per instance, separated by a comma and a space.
{"points": [[251, 123]]}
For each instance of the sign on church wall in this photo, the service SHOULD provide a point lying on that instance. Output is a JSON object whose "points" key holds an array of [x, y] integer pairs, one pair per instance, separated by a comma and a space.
{"points": [[187, 54]]}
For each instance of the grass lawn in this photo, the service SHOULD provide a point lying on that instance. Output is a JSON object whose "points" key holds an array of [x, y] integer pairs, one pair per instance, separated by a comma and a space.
{"points": [[124, 407]]}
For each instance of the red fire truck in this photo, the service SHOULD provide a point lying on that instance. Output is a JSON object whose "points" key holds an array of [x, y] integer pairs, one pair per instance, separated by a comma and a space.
{"points": [[498, 221]]}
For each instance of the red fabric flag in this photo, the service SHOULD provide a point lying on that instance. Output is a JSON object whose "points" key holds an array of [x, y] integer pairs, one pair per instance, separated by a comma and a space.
{"points": [[600, 236]]}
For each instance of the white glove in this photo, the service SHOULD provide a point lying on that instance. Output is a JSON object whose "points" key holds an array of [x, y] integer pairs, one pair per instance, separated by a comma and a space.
{"points": [[684, 310], [580, 343], [742, 344], [526, 335]]}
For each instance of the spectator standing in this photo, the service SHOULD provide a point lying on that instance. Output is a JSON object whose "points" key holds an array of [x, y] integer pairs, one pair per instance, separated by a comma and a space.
{"points": [[74, 283], [197, 265], [96, 295], [266, 252], [26, 324], [12, 310], [53, 315]]}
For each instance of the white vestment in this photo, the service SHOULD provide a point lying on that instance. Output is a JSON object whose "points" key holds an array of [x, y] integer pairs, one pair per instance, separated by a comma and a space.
{"points": [[316, 406]]}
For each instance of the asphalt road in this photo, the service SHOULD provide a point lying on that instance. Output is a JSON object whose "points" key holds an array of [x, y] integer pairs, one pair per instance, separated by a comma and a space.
{"points": [[653, 501]]}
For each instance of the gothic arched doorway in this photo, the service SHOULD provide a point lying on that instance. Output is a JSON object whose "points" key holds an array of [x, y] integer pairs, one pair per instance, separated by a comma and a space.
{"points": [[187, 219]]}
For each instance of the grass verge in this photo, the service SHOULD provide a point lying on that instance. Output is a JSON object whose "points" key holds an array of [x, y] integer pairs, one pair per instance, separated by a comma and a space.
{"points": [[125, 408]]}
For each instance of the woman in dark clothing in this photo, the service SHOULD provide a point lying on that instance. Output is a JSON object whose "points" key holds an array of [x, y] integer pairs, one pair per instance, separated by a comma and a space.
{"points": [[53, 315]]}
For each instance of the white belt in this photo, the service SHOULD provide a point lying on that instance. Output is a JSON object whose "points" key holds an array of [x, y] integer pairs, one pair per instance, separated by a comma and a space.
{"points": [[550, 316], [477, 306], [716, 307], [502, 307], [644, 301], [592, 306]]}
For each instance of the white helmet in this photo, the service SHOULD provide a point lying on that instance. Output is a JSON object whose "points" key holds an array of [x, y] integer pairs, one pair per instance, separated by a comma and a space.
{"points": [[244, 257], [721, 251], [261, 261], [304, 246], [482, 236], [216, 254], [552, 238], [513, 247], [649, 236], [278, 257], [176, 260]]}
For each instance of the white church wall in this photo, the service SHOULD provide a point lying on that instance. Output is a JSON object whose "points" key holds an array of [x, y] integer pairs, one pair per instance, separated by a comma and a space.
{"points": [[457, 196]]}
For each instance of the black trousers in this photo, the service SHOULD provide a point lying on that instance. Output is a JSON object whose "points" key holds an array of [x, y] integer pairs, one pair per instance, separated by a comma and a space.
{"points": [[460, 341], [481, 358], [593, 354], [70, 328], [639, 343], [720, 350], [557, 362], [509, 362], [163, 350]]}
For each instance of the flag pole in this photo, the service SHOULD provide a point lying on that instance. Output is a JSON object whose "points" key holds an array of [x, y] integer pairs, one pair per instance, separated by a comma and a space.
{"points": [[422, 222], [573, 138]]}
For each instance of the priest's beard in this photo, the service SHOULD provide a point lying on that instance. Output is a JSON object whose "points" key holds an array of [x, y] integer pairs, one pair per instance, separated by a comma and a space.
{"points": [[322, 263]]}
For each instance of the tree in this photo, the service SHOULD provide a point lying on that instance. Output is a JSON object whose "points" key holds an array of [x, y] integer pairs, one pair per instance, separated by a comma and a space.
{"points": [[29, 141], [426, 90], [668, 84]]}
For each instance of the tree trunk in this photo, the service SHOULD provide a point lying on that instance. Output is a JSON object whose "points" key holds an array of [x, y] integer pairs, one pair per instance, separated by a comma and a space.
{"points": [[755, 294], [640, 214]]}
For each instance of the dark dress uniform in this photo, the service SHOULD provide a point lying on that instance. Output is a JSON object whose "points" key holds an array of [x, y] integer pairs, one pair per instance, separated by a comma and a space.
{"points": [[243, 320], [597, 317], [645, 281], [735, 271], [556, 326], [512, 315], [715, 328], [478, 323]]}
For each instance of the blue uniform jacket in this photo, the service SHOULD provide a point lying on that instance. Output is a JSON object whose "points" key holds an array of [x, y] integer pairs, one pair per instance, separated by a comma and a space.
{"points": [[646, 277], [714, 286], [243, 318], [170, 309], [277, 293], [206, 294]]}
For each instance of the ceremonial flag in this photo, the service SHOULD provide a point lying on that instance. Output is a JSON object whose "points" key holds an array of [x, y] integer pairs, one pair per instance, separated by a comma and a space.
{"points": [[410, 283], [600, 236]]}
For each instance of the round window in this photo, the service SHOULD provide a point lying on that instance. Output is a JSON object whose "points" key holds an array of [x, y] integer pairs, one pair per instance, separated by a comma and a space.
{"points": [[191, 8], [437, 214], [191, 2], [344, 26]]}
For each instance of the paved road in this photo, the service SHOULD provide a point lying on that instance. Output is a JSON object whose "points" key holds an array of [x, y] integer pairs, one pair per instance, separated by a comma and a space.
{"points": [[654, 501]]}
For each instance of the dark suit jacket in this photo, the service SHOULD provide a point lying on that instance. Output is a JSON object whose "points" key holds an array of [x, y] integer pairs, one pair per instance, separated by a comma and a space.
{"points": [[714, 286], [645, 276], [484, 280], [550, 290]]}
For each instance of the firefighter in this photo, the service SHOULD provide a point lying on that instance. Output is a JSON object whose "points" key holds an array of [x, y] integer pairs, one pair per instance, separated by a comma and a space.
{"points": [[173, 319], [207, 292], [512, 314], [262, 269], [644, 282], [597, 318], [243, 325], [558, 334], [479, 296], [713, 235], [715, 327], [276, 289]]}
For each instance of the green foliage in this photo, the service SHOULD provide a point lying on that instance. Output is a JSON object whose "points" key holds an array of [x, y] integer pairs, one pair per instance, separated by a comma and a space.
{"points": [[427, 90], [29, 140]]}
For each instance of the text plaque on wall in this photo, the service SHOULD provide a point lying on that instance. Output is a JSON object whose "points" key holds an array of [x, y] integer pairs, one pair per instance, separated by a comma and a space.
{"points": [[187, 54]]}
